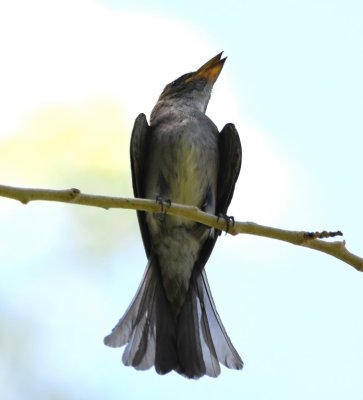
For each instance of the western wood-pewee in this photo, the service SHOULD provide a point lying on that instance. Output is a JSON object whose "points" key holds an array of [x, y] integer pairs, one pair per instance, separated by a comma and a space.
{"points": [[181, 157]]}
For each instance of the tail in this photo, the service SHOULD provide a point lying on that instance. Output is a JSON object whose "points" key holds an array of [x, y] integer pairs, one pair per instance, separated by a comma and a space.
{"points": [[147, 327], [192, 343]]}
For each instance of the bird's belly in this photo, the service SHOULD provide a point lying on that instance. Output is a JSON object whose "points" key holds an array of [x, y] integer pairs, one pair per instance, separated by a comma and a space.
{"points": [[182, 168], [188, 178], [191, 169]]}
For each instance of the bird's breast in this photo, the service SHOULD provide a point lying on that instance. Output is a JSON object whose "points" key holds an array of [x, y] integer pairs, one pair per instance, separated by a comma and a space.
{"points": [[185, 153]]}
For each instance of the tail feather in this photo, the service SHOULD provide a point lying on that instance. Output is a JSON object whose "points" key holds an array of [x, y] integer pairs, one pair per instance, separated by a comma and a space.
{"points": [[203, 342], [190, 352], [147, 327], [218, 338], [192, 343]]}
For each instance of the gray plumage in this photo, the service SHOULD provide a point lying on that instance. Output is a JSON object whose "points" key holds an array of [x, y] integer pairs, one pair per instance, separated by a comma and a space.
{"points": [[172, 322]]}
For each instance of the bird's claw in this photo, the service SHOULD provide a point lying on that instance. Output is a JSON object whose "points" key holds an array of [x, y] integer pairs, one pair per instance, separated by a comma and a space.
{"points": [[164, 204], [229, 221]]}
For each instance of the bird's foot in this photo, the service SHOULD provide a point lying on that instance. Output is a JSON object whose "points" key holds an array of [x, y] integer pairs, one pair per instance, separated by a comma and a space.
{"points": [[164, 205], [229, 221]]}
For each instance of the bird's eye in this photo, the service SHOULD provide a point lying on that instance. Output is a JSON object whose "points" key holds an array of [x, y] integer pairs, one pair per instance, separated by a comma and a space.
{"points": [[173, 83]]}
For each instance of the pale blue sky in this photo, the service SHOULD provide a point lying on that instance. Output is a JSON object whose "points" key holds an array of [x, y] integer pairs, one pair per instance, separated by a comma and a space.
{"points": [[293, 85]]}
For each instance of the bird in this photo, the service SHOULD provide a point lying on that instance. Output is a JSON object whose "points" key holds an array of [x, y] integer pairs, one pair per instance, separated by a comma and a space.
{"points": [[181, 157]]}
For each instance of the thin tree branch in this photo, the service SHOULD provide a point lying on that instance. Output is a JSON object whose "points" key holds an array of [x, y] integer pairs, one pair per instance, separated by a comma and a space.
{"points": [[312, 240]]}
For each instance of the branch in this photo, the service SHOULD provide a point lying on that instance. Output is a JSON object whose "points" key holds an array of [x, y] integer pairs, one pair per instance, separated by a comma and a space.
{"points": [[312, 240]]}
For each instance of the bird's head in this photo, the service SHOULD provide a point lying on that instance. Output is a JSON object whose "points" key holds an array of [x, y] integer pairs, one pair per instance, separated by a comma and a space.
{"points": [[194, 88]]}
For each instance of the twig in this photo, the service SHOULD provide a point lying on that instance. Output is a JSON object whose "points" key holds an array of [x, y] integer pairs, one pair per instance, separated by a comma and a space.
{"points": [[313, 240]]}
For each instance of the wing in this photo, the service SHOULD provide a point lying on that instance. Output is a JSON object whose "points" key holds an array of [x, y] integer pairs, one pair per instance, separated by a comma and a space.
{"points": [[138, 155], [230, 159]]}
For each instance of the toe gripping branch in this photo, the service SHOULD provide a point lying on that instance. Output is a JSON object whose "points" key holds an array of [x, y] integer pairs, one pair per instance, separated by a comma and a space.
{"points": [[164, 205], [229, 221]]}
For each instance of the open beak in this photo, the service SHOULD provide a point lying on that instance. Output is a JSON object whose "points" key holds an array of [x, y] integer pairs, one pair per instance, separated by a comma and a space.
{"points": [[211, 69]]}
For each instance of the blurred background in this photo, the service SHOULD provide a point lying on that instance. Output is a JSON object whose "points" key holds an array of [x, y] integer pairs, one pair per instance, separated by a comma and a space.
{"points": [[73, 77]]}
